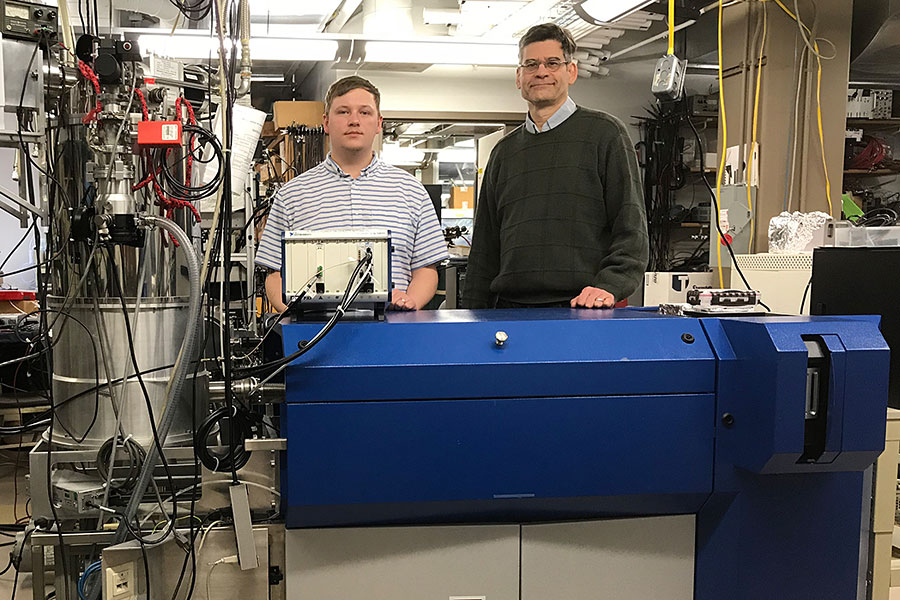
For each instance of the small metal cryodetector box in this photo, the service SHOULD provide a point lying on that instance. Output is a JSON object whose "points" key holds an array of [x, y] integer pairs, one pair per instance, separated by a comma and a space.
{"points": [[319, 265]]}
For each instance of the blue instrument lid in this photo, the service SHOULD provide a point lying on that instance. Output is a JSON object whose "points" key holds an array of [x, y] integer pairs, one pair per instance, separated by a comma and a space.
{"points": [[547, 352]]}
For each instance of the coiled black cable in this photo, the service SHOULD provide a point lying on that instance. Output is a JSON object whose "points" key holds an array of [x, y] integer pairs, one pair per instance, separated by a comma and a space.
{"points": [[241, 425], [162, 173]]}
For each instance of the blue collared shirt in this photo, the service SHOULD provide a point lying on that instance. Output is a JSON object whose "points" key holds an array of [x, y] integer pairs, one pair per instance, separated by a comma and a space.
{"points": [[563, 112]]}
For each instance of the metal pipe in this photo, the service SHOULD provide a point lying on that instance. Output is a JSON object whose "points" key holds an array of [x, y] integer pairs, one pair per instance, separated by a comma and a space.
{"points": [[244, 388], [182, 365], [244, 88]]}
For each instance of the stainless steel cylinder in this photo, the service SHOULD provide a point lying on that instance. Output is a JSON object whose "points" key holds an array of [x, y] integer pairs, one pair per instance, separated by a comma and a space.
{"points": [[86, 420]]}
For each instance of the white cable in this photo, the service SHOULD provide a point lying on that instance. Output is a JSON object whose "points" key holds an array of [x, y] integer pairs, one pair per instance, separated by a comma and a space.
{"points": [[204, 534], [212, 566], [796, 124], [806, 39]]}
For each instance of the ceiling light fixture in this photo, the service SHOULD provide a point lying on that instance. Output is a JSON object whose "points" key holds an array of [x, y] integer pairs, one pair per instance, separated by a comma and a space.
{"points": [[441, 53], [602, 12], [193, 46]]}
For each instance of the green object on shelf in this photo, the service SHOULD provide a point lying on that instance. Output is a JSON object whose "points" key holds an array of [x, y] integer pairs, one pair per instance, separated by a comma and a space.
{"points": [[851, 210]]}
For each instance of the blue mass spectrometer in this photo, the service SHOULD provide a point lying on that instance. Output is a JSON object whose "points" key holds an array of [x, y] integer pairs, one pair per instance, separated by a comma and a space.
{"points": [[751, 435]]}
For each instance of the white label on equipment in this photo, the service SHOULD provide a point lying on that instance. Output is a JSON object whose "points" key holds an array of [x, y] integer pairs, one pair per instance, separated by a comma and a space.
{"points": [[723, 219], [170, 133], [162, 67]]}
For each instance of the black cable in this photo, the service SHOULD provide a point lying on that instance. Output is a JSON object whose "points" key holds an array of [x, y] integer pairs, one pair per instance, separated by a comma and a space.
{"points": [[7, 567], [147, 563], [118, 289], [81, 17], [42, 286], [96, 372], [226, 223], [18, 561], [715, 200], [241, 424], [196, 12], [170, 181], [805, 292], [43, 418], [20, 115], [43, 421], [20, 242], [349, 296]]}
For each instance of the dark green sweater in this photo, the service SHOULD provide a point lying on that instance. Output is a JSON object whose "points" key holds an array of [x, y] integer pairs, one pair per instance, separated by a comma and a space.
{"points": [[559, 211]]}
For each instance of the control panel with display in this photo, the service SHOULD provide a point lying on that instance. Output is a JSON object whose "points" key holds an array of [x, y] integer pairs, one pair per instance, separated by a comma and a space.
{"points": [[28, 20]]}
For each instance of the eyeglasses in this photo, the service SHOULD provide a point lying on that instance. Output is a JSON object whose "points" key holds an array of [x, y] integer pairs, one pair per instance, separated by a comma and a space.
{"points": [[552, 64]]}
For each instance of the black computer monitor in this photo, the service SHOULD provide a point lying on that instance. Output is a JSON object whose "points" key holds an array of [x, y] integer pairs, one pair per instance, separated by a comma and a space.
{"points": [[435, 190], [860, 281]]}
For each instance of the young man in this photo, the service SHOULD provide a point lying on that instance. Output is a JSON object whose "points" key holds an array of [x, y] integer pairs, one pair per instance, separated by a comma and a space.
{"points": [[354, 189], [560, 217]]}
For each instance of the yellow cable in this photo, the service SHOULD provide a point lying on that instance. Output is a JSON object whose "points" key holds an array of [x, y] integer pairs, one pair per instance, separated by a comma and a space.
{"points": [[671, 27], [818, 101], [724, 147], [821, 134], [762, 46], [786, 9]]}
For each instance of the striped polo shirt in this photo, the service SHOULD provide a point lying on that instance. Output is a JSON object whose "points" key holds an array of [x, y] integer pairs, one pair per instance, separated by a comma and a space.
{"points": [[382, 197]]}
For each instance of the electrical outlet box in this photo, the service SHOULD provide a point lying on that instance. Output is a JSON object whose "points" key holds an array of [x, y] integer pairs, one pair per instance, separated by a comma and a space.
{"points": [[668, 78], [120, 582]]}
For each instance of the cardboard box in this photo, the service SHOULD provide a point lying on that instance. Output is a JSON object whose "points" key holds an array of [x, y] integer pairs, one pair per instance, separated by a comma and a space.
{"points": [[292, 112], [462, 196], [269, 130]]}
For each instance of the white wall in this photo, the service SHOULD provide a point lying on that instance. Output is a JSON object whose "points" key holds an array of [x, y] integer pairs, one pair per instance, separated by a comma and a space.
{"points": [[447, 88], [11, 232], [624, 93]]}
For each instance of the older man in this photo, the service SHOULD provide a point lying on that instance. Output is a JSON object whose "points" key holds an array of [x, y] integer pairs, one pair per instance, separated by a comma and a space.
{"points": [[560, 217]]}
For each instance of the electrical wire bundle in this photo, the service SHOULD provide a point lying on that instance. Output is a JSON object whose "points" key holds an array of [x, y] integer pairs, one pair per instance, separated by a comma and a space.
{"points": [[170, 190], [242, 424], [194, 10], [877, 217], [308, 146], [664, 174], [869, 157], [89, 586], [358, 279], [135, 455]]}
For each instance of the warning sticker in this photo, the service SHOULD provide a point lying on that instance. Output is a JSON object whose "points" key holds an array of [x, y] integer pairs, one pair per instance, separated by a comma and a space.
{"points": [[169, 133]]}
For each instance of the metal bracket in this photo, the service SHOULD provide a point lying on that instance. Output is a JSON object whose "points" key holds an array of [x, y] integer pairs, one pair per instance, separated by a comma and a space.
{"points": [[21, 203], [265, 444]]}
